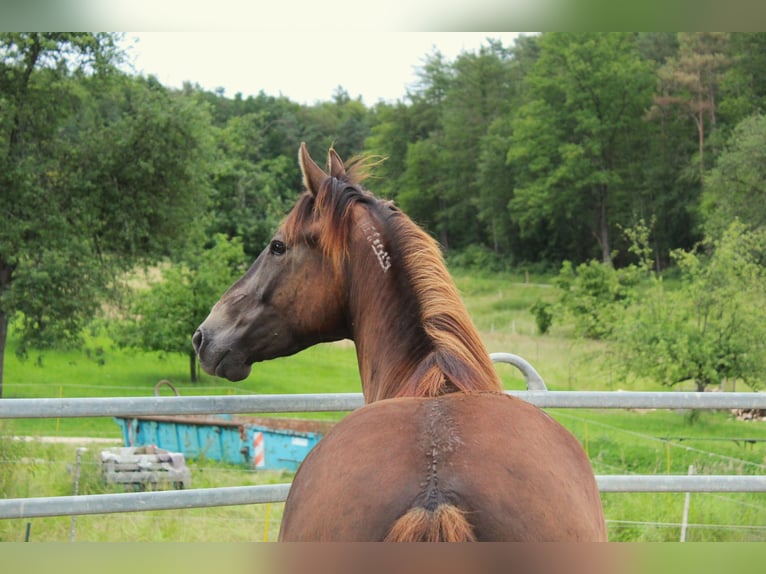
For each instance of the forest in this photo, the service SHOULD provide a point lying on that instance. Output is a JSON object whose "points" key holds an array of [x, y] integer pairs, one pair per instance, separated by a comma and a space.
{"points": [[530, 155]]}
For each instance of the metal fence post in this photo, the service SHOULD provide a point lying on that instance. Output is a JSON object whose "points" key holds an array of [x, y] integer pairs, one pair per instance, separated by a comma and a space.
{"points": [[685, 517], [78, 458]]}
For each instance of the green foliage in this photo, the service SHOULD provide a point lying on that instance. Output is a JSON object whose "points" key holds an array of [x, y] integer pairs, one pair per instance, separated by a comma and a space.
{"points": [[574, 143], [98, 171], [543, 313], [43, 238], [709, 329], [420, 193], [388, 138], [250, 199], [495, 180], [139, 168], [736, 186], [481, 91], [743, 88], [478, 258], [164, 316], [594, 295], [51, 308], [537, 152], [435, 143]]}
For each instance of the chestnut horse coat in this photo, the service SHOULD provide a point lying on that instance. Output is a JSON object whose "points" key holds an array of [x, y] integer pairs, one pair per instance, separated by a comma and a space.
{"points": [[529, 483]]}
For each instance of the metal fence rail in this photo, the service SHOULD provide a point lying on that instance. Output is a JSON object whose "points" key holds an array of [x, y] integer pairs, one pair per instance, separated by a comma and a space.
{"points": [[239, 495], [142, 501], [237, 404]]}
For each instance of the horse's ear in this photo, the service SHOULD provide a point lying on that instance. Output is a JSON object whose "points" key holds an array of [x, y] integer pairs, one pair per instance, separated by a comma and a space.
{"points": [[335, 164], [313, 175]]}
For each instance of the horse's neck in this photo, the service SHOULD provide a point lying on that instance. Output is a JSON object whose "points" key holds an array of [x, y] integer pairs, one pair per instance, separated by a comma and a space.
{"points": [[398, 355]]}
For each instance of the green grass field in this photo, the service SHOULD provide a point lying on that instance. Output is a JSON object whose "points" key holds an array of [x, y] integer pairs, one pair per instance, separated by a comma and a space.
{"points": [[617, 442]]}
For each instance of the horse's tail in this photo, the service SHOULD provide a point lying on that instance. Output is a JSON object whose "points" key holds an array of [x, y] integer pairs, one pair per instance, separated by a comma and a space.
{"points": [[445, 523]]}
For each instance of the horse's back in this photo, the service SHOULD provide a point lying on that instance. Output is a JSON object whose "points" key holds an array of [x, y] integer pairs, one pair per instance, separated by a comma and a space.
{"points": [[514, 472]]}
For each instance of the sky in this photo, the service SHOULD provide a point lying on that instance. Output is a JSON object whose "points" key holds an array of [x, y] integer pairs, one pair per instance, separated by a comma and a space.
{"points": [[372, 65]]}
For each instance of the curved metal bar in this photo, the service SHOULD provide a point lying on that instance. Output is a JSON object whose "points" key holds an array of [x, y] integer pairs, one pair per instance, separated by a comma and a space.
{"points": [[531, 376]]}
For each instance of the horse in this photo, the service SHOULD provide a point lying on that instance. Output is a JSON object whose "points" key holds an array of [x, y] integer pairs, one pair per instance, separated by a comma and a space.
{"points": [[438, 452]]}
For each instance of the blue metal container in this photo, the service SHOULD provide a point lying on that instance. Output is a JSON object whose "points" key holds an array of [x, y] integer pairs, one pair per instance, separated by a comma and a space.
{"points": [[256, 442]]}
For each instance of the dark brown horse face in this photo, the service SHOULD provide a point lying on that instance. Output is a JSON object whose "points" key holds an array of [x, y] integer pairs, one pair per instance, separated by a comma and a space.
{"points": [[287, 301]]}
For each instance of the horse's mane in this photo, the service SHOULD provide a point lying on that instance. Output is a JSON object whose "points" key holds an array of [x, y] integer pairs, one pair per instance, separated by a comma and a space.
{"points": [[458, 359]]}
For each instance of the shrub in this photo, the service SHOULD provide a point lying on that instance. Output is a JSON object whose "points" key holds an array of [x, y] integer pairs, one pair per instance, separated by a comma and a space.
{"points": [[543, 313], [595, 295]]}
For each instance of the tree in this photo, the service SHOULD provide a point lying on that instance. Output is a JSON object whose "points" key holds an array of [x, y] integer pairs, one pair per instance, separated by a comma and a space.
{"points": [[480, 92], [164, 316], [97, 171], [420, 189], [397, 128], [495, 179], [690, 81], [577, 141], [736, 186], [594, 295], [427, 96], [250, 188], [743, 83], [391, 132], [420, 192], [31, 105], [341, 123], [451, 111], [708, 329]]}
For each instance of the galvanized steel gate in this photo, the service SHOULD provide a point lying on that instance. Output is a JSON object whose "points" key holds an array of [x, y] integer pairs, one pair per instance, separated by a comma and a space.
{"points": [[236, 404]]}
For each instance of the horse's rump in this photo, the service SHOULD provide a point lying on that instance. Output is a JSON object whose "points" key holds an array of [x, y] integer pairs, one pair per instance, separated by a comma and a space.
{"points": [[463, 466]]}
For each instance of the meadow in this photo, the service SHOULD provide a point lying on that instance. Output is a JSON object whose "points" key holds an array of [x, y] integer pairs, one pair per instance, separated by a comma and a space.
{"points": [[617, 442]]}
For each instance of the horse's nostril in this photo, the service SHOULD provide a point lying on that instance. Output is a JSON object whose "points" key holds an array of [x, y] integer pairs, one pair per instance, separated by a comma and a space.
{"points": [[197, 340]]}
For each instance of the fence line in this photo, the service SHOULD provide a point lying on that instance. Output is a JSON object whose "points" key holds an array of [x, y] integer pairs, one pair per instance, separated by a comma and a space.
{"points": [[695, 525], [664, 441], [142, 501], [240, 495], [237, 404]]}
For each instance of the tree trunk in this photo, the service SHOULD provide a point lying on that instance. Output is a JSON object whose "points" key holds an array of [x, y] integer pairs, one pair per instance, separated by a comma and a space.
{"points": [[701, 130], [193, 367], [602, 232], [6, 272], [3, 340]]}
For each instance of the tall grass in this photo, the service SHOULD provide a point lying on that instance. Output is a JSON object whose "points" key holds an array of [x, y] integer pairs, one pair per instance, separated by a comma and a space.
{"points": [[40, 469]]}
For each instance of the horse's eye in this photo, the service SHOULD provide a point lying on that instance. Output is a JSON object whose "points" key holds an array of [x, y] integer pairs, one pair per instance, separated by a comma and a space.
{"points": [[277, 247]]}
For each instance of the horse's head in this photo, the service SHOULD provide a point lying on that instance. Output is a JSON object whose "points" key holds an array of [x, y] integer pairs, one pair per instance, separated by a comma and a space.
{"points": [[292, 296]]}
